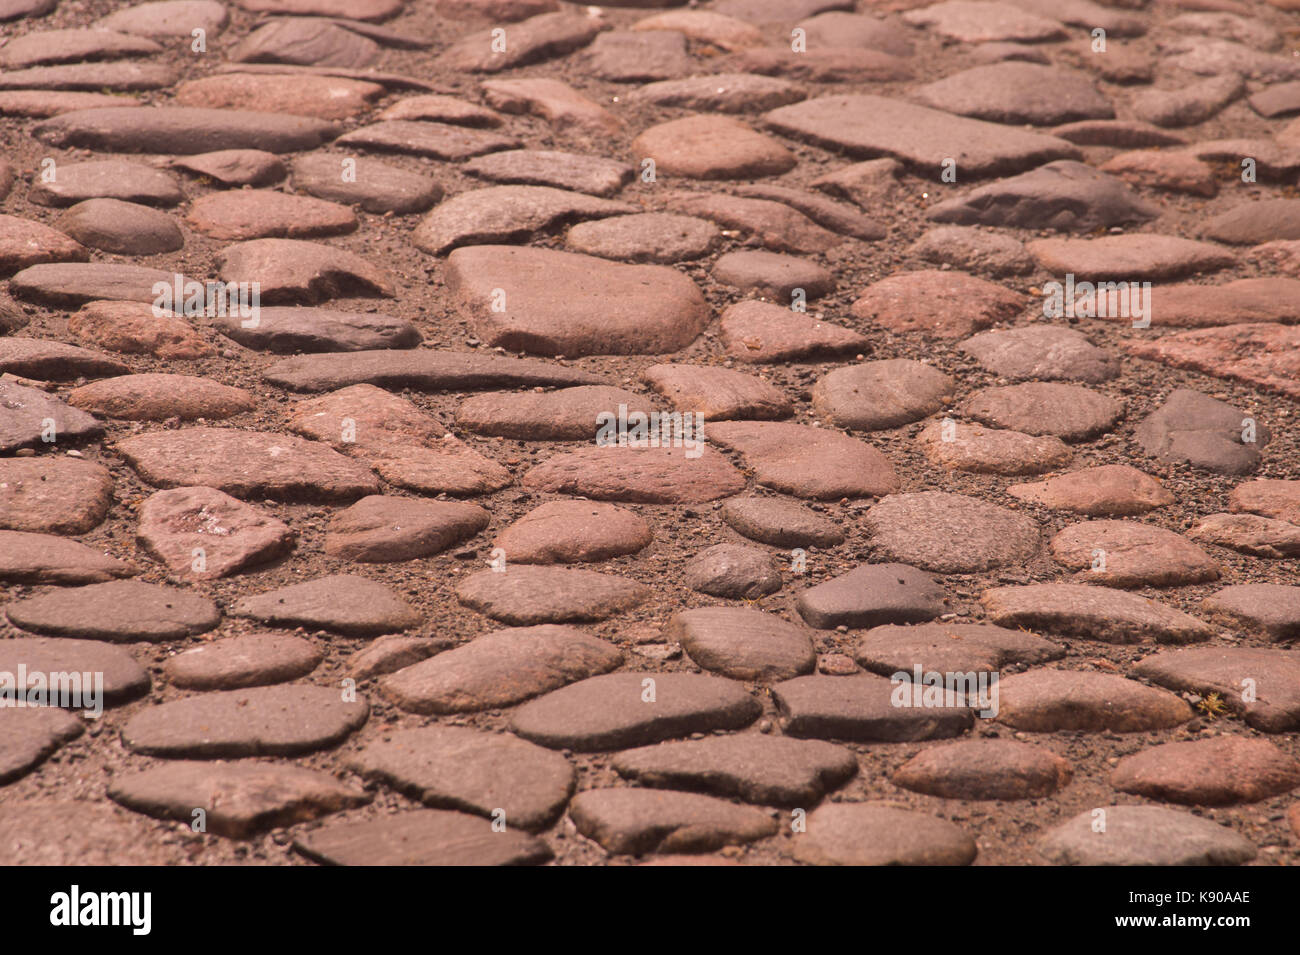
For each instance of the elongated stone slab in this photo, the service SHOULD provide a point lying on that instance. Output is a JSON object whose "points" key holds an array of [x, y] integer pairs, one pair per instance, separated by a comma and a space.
{"points": [[421, 370], [182, 130]]}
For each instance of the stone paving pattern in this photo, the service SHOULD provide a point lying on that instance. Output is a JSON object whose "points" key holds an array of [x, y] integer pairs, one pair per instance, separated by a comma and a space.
{"points": [[364, 587]]}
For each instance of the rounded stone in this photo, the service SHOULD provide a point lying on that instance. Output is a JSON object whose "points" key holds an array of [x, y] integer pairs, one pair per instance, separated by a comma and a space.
{"points": [[951, 533], [780, 523], [1070, 412], [120, 611], [733, 571], [876, 834], [237, 662], [1221, 771], [743, 644], [124, 228], [566, 532], [878, 395], [657, 237], [985, 769]]}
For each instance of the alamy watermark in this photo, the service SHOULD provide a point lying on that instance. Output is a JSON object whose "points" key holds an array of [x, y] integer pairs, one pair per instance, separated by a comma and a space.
{"points": [[242, 300], [654, 429], [1098, 300], [67, 690], [933, 689]]}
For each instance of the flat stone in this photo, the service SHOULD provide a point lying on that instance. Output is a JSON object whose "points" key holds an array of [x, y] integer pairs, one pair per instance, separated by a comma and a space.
{"points": [[860, 834], [124, 228], [743, 644], [394, 652], [182, 130], [287, 331], [533, 40], [500, 669], [568, 532], [560, 303], [985, 769], [871, 595], [615, 711], [261, 721], [1220, 771], [861, 709], [499, 214], [833, 215], [48, 559], [69, 46], [568, 414], [833, 64], [1260, 354], [132, 328], [340, 603], [1042, 352], [1275, 707], [199, 533], [556, 102], [1111, 490], [1252, 223], [247, 463], [655, 237], [55, 361], [1120, 133], [1271, 299], [937, 304], [120, 611], [527, 595], [716, 29], [950, 533], [75, 283], [878, 395], [721, 93], [31, 736], [1047, 701], [170, 18], [483, 773], [973, 250], [627, 56], [774, 225], [733, 571], [1145, 836], [1188, 105], [1070, 412], [1138, 257], [324, 97], [103, 77], [866, 184], [368, 10], [757, 769], [950, 648], [439, 108], [157, 397], [760, 332], [1096, 613], [870, 126], [239, 799], [264, 213], [424, 837], [123, 678], [234, 663], [1271, 611], [235, 167], [421, 370], [978, 22], [1248, 534], [1014, 92], [772, 275], [1194, 428], [780, 523], [638, 475], [436, 140], [778, 11], [718, 393], [307, 41], [1066, 196], [294, 272], [43, 103], [53, 495], [375, 186], [1174, 172], [541, 167], [1268, 497], [808, 462], [1128, 554], [980, 450], [383, 529], [24, 242], [639, 821], [79, 832], [26, 413]]}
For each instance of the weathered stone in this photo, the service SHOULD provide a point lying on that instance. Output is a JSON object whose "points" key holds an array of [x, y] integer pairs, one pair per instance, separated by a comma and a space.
{"points": [[743, 644], [1202, 431], [1268, 610], [1097, 613], [202, 534], [721, 93], [1129, 554], [132, 328], [780, 277], [950, 533], [425, 837], [774, 225], [760, 332], [528, 595], [294, 272], [655, 237], [340, 603], [26, 415], [638, 821], [32, 735], [324, 97], [861, 709], [1135, 257], [1224, 672], [532, 40], [1220, 771], [24, 242], [718, 393], [664, 475], [937, 304], [421, 370], [540, 167], [733, 571], [871, 595], [569, 414], [183, 130], [157, 397], [394, 652], [75, 283], [1070, 412], [1015, 92], [53, 495], [55, 361], [123, 678], [1144, 835], [1248, 534], [780, 523], [973, 250], [985, 769], [120, 611], [808, 462], [262, 721], [235, 167], [568, 532], [965, 447], [265, 213], [235, 663], [1112, 490], [950, 648], [383, 529], [1042, 352]]}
